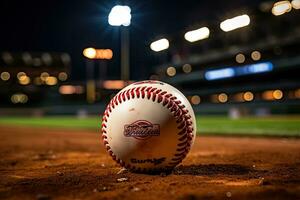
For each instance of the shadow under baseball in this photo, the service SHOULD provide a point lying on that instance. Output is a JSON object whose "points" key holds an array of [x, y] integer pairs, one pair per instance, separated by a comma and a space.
{"points": [[213, 169]]}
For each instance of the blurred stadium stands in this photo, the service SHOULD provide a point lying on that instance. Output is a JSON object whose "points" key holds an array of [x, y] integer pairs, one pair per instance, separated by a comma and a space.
{"points": [[250, 70], [28, 77]]}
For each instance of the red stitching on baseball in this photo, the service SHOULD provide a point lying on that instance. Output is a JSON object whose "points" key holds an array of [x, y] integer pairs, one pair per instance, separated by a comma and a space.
{"points": [[183, 119]]}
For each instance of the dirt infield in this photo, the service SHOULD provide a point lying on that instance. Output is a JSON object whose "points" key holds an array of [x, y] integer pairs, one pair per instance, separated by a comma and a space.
{"points": [[57, 164]]}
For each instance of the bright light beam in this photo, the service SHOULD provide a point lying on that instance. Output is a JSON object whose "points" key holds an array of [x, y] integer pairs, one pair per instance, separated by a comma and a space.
{"points": [[235, 23], [89, 52], [119, 15], [281, 7], [198, 34], [159, 45]]}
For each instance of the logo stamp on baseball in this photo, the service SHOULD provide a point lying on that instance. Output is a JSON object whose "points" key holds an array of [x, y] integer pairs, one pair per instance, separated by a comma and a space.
{"points": [[148, 126], [141, 130]]}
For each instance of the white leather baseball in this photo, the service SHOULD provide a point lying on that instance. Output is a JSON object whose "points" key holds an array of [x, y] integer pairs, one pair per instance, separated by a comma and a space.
{"points": [[148, 126]]}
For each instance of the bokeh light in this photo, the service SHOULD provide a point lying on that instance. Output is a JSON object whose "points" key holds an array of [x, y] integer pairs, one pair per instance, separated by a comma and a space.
{"points": [[27, 58], [44, 76], [62, 76], [255, 55], [23, 78], [277, 94], [272, 95], [66, 59], [8, 58], [5, 76], [198, 34], [297, 93], [240, 58], [171, 71], [71, 89], [114, 84], [159, 45], [195, 100], [20, 74], [119, 15], [281, 7], [47, 59], [235, 23], [51, 80], [93, 53], [248, 96], [186, 68], [89, 52], [19, 98], [296, 4], [222, 98]]}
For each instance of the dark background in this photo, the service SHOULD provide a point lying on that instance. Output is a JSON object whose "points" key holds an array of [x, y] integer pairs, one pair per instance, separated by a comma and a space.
{"points": [[70, 26]]}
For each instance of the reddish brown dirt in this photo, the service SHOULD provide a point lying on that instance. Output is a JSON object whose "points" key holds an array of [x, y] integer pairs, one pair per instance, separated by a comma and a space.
{"points": [[58, 164]]}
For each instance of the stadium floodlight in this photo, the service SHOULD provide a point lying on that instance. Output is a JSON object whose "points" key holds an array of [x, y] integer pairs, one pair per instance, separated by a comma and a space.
{"points": [[160, 45], [281, 7], [235, 23], [296, 4], [119, 15], [92, 53], [196, 35], [89, 52]]}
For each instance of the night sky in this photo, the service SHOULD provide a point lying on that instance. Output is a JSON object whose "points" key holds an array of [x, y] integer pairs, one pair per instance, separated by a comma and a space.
{"points": [[70, 26]]}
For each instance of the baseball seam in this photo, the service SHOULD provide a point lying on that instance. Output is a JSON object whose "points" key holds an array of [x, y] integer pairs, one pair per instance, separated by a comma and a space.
{"points": [[181, 114]]}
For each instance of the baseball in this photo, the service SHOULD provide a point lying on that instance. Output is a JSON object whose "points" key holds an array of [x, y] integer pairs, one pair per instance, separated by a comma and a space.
{"points": [[148, 126]]}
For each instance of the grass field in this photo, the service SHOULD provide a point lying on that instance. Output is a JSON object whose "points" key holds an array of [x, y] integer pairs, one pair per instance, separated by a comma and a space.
{"points": [[273, 126]]}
